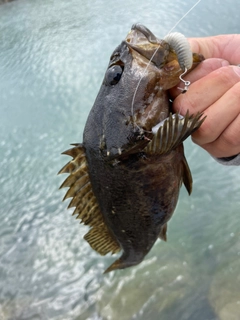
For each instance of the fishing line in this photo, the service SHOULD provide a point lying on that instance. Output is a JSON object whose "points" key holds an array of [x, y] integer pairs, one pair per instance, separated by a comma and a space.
{"points": [[187, 83], [184, 15]]}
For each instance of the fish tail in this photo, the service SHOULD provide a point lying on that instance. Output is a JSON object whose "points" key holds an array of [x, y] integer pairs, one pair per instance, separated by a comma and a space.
{"points": [[118, 264], [125, 261]]}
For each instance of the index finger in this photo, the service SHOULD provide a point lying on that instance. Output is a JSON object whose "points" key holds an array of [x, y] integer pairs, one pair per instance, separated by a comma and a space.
{"points": [[221, 46]]}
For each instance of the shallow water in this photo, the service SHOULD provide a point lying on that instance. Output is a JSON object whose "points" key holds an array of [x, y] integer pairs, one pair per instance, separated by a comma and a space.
{"points": [[53, 55]]}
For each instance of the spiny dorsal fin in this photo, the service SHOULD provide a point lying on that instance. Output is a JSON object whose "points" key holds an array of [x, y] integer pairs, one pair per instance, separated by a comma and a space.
{"points": [[85, 202], [172, 132]]}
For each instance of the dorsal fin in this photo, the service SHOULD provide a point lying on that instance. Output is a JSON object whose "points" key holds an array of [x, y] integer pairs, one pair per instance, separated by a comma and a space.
{"points": [[83, 199], [173, 131]]}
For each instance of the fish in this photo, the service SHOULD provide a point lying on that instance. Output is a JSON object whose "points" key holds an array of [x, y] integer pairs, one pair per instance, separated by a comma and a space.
{"points": [[125, 176]]}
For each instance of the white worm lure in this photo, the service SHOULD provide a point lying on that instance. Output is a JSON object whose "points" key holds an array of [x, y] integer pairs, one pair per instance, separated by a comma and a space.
{"points": [[181, 46]]}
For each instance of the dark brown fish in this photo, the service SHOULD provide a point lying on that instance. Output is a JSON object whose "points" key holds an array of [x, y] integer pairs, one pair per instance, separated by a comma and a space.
{"points": [[124, 179]]}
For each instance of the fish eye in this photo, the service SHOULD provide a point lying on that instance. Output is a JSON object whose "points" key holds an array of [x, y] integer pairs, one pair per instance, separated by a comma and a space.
{"points": [[113, 75]]}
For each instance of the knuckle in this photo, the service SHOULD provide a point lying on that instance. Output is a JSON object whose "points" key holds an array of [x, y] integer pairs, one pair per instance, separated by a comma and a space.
{"points": [[227, 75], [231, 138], [235, 91], [206, 132], [201, 135], [212, 64]]}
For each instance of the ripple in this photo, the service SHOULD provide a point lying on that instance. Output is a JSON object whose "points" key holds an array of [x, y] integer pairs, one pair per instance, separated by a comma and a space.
{"points": [[53, 56]]}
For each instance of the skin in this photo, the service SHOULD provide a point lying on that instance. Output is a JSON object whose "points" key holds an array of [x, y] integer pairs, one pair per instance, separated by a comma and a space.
{"points": [[215, 91]]}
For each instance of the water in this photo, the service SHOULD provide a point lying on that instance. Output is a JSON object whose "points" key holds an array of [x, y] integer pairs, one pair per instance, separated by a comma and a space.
{"points": [[53, 55]]}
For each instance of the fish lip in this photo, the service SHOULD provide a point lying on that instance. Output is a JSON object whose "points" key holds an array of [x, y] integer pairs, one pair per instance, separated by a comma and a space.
{"points": [[146, 32], [142, 36], [143, 41]]}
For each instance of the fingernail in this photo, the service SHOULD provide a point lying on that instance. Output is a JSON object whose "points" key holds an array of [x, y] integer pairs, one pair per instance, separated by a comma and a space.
{"points": [[236, 69]]}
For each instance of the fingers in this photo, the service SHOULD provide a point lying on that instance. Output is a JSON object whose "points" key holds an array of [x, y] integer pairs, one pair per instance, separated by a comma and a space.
{"points": [[217, 95], [220, 132], [203, 69], [215, 91], [207, 90], [223, 46], [228, 143]]}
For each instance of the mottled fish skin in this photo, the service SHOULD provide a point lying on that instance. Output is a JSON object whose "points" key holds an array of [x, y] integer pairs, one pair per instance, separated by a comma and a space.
{"points": [[135, 175]]}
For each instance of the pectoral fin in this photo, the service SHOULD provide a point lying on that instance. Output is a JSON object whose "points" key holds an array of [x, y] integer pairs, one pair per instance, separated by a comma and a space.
{"points": [[85, 202], [173, 131]]}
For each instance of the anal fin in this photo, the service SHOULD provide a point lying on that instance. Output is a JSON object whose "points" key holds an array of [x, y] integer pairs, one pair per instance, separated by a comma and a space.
{"points": [[101, 240], [163, 233], [83, 199]]}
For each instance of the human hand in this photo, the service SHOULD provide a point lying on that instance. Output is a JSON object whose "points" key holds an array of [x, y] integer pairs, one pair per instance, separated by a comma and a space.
{"points": [[215, 91]]}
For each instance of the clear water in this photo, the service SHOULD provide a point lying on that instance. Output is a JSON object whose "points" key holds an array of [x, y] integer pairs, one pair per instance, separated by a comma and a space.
{"points": [[53, 55]]}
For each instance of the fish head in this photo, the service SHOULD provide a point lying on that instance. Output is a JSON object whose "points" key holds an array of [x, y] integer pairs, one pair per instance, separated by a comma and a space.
{"points": [[133, 97], [154, 56]]}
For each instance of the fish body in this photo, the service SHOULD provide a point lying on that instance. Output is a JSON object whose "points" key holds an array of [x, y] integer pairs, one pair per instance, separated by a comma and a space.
{"points": [[126, 175]]}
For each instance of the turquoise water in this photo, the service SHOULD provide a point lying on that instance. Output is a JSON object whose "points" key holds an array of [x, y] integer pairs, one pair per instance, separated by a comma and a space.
{"points": [[53, 55]]}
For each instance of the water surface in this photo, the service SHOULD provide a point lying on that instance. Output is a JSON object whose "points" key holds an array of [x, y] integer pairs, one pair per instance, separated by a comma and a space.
{"points": [[53, 55]]}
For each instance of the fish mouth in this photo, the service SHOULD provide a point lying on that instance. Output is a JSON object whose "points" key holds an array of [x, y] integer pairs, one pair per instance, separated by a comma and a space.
{"points": [[144, 42]]}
